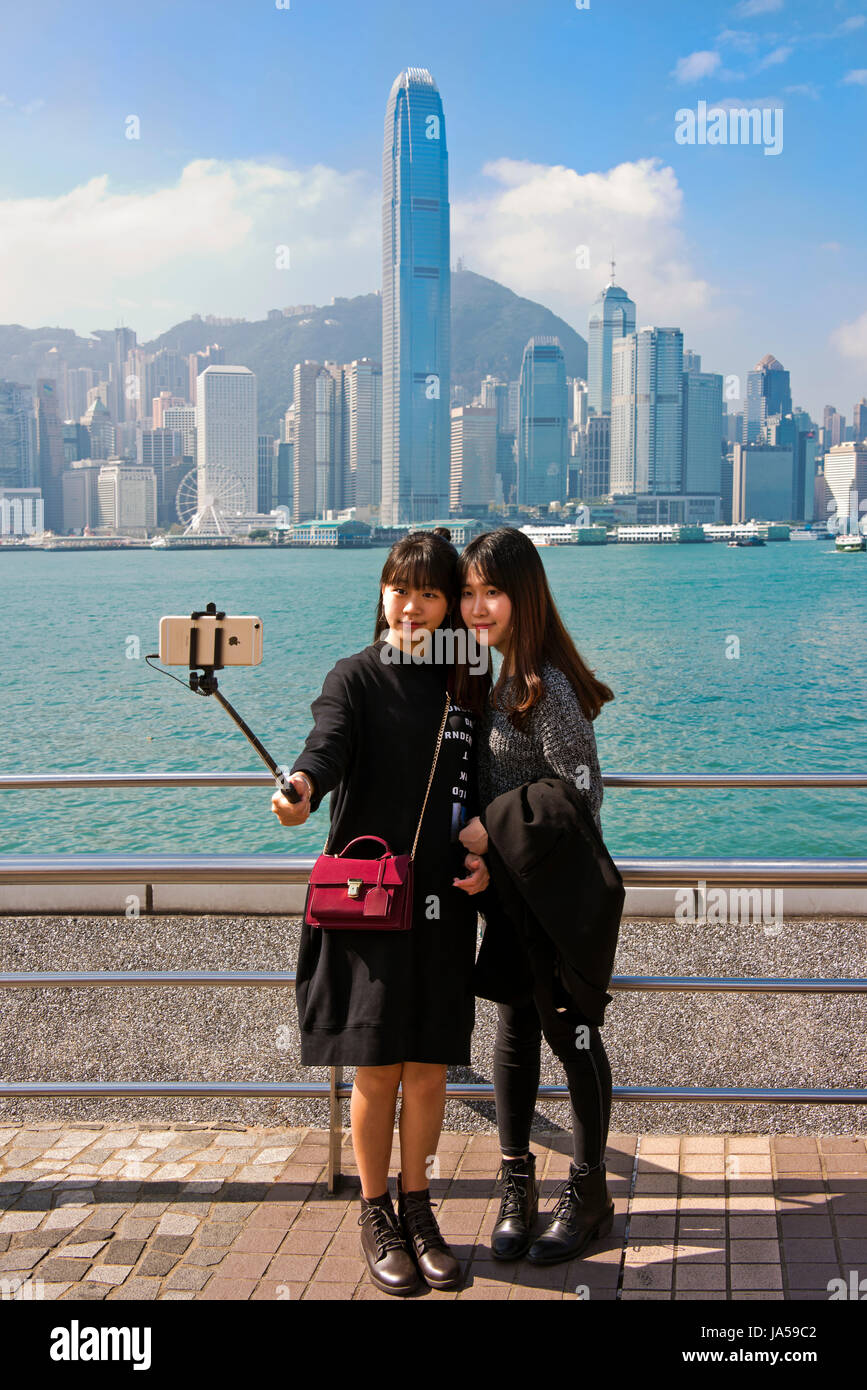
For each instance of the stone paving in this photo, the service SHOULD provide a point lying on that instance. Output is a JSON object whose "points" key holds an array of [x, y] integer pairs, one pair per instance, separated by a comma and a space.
{"points": [[228, 1211]]}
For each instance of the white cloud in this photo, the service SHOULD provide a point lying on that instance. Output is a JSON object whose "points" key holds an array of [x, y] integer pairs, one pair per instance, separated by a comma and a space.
{"points": [[753, 7], [204, 244], [525, 232], [850, 339], [804, 89], [696, 66], [776, 56], [857, 75], [855, 21]]}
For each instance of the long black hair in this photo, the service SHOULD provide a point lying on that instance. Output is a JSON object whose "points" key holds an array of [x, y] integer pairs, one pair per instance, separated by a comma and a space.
{"points": [[507, 559], [421, 560]]}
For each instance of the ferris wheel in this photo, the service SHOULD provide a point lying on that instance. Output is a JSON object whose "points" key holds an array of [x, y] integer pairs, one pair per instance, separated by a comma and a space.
{"points": [[207, 498]]}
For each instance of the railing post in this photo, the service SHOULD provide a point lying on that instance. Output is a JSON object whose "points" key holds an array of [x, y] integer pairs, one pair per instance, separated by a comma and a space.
{"points": [[335, 1130]]}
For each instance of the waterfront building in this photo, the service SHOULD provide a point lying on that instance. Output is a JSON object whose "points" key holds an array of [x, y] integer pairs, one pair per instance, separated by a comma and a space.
{"points": [[183, 419], [100, 429], [543, 424], [17, 436], [647, 412], [320, 428], [127, 498], [364, 489], [612, 316], [265, 473], [227, 437], [81, 495], [763, 482], [416, 304], [702, 428], [845, 469], [474, 458], [161, 450], [49, 443], [594, 477], [121, 405], [768, 393]]}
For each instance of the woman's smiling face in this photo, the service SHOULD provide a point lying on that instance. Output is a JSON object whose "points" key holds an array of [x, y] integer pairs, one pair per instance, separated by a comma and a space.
{"points": [[486, 611], [420, 609]]}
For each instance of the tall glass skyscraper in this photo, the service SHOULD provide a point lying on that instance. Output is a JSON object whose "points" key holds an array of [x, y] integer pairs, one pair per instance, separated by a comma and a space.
{"points": [[416, 304], [611, 317], [768, 393], [543, 424], [647, 412]]}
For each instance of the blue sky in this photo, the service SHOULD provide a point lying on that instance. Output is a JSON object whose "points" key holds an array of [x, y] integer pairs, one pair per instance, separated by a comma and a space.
{"points": [[262, 127]]}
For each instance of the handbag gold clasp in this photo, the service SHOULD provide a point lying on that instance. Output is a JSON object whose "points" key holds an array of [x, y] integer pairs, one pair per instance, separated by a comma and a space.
{"points": [[354, 886]]}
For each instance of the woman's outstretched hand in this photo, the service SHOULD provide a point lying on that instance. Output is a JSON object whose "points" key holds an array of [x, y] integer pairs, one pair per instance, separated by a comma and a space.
{"points": [[474, 836], [478, 879], [293, 812]]}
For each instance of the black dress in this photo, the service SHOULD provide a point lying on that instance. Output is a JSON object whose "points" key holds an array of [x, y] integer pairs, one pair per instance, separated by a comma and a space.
{"points": [[373, 998]]}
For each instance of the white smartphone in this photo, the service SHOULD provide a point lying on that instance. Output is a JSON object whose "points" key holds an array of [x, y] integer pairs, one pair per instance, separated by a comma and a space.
{"points": [[211, 641]]}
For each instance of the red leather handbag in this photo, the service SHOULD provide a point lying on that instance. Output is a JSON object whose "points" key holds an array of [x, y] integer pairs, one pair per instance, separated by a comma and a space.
{"points": [[366, 894]]}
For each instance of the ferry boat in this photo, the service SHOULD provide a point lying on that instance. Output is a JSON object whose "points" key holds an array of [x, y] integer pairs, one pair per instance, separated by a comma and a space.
{"points": [[850, 543], [805, 533], [747, 540], [193, 542]]}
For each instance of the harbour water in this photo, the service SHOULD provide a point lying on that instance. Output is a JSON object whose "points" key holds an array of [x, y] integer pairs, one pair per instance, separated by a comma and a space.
{"points": [[721, 659]]}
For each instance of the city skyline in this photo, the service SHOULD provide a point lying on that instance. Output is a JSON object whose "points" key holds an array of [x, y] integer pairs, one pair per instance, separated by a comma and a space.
{"points": [[104, 229]]}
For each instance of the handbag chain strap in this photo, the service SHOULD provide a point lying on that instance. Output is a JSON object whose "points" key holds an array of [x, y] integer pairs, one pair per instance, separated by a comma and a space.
{"points": [[429, 782]]}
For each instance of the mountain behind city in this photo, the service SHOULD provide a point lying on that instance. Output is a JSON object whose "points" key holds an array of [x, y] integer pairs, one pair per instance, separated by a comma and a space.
{"points": [[490, 328]]}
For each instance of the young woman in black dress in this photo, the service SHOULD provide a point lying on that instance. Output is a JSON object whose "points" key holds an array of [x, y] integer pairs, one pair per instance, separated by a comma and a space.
{"points": [[399, 1006], [537, 722]]}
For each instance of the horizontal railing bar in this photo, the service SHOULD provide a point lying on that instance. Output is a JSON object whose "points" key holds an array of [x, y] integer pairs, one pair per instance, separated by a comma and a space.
{"points": [[294, 869], [454, 1091], [233, 979], [47, 781]]}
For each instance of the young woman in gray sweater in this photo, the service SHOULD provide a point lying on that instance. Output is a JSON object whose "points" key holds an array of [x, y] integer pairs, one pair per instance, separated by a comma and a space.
{"points": [[536, 722]]}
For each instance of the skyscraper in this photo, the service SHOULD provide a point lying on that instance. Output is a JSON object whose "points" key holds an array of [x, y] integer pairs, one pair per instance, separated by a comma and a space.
{"points": [[474, 458], [768, 393], [543, 424], [416, 304], [611, 317], [49, 429], [702, 428], [647, 412], [365, 438], [17, 435], [227, 437]]}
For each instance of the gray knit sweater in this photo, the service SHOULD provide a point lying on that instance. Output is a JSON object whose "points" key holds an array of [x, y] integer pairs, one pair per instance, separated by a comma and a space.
{"points": [[557, 741]]}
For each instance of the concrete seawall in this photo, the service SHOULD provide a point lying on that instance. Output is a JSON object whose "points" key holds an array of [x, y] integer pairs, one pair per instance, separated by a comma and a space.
{"points": [[169, 1033]]}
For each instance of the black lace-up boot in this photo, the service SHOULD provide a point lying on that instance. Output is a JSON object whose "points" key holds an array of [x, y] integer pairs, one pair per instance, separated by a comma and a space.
{"points": [[390, 1263], [584, 1210], [519, 1208], [438, 1266]]}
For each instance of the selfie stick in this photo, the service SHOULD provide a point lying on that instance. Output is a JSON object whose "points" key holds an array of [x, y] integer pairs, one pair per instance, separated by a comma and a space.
{"points": [[206, 684]]}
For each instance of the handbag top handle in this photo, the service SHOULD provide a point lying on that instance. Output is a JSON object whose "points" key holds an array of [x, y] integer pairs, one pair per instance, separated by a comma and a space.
{"points": [[429, 784]]}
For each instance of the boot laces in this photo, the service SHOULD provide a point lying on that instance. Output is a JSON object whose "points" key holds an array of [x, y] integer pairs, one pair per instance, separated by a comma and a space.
{"points": [[422, 1224], [569, 1198], [385, 1232], [514, 1192]]}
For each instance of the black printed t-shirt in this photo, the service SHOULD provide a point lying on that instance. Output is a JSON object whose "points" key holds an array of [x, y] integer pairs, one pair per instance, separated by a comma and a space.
{"points": [[373, 998]]}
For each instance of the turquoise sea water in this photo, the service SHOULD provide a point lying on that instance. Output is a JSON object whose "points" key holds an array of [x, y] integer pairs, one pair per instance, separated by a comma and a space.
{"points": [[654, 622]]}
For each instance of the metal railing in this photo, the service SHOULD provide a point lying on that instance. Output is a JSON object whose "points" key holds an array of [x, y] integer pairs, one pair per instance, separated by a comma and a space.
{"points": [[288, 869]]}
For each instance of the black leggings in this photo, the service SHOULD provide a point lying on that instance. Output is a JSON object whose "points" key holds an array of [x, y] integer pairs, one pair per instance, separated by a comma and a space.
{"points": [[517, 1065]]}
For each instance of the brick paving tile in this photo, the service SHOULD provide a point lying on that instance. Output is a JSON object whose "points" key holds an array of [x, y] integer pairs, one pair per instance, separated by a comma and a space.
{"points": [[219, 1232], [699, 1276], [755, 1276], [851, 1225], [319, 1290], [308, 1242], [293, 1268], [278, 1290], [137, 1288], [108, 1274], [85, 1291], [650, 1276], [187, 1277], [242, 1266], [228, 1288], [798, 1249], [805, 1224], [260, 1240], [171, 1245], [483, 1289], [205, 1255], [703, 1295], [340, 1269], [854, 1143], [754, 1251], [812, 1276], [62, 1268], [854, 1252], [155, 1263], [122, 1252]]}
